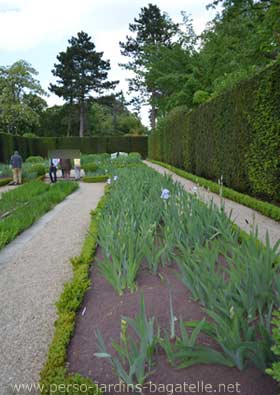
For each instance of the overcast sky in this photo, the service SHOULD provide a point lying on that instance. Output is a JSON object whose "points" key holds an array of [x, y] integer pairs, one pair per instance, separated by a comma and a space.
{"points": [[37, 30]]}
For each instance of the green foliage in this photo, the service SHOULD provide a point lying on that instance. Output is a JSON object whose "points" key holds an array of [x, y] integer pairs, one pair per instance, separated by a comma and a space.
{"points": [[30, 135], [240, 307], [5, 181], [19, 97], [265, 208], [137, 355], [236, 135], [54, 371], [5, 171], [39, 169], [124, 229], [151, 29], [80, 71], [87, 145], [90, 167], [171, 70], [34, 159], [95, 179], [102, 165], [200, 97], [24, 205], [274, 371]]}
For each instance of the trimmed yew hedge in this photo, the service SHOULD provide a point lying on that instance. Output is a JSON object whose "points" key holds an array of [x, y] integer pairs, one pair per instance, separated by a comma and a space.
{"points": [[235, 135], [87, 145]]}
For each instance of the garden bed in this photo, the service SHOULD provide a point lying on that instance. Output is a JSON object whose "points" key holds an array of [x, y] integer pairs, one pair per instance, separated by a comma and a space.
{"points": [[22, 206], [103, 310], [187, 260]]}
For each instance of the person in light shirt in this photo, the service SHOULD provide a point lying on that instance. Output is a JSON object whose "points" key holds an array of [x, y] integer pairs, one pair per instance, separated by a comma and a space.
{"points": [[77, 168]]}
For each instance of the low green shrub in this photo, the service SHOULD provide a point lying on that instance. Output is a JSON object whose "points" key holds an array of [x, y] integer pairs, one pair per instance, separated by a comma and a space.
{"points": [[34, 159], [135, 155], [89, 158], [268, 209], [274, 371], [95, 179], [39, 169], [90, 167], [5, 181], [5, 170]]}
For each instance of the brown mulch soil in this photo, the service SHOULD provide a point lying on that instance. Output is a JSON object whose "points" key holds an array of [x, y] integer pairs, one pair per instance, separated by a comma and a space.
{"points": [[104, 309]]}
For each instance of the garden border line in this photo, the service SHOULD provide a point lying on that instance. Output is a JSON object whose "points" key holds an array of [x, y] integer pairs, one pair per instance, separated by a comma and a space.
{"points": [[265, 208], [95, 179], [54, 372], [5, 181]]}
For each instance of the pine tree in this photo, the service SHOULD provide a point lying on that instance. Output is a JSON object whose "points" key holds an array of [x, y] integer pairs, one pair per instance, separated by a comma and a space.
{"points": [[81, 71], [152, 28]]}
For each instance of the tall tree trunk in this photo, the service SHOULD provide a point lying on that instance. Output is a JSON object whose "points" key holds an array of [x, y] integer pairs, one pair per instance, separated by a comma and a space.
{"points": [[114, 118], [69, 120], [82, 119], [153, 117], [69, 126], [153, 112]]}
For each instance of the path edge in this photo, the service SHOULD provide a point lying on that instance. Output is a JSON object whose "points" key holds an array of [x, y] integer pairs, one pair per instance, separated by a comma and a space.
{"points": [[54, 376]]}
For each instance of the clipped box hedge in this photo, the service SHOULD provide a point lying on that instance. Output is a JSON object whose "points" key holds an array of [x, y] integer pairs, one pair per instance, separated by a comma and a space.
{"points": [[235, 135], [87, 145]]}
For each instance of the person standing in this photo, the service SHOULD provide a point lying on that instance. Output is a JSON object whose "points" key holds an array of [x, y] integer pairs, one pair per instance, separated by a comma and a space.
{"points": [[77, 167], [52, 172], [16, 163], [65, 167]]}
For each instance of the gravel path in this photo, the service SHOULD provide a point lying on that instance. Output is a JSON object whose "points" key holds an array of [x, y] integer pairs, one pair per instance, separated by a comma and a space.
{"points": [[246, 218], [33, 269]]}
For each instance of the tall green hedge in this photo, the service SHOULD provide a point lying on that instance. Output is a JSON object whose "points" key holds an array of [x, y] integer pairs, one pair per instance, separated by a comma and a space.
{"points": [[87, 145], [235, 135]]}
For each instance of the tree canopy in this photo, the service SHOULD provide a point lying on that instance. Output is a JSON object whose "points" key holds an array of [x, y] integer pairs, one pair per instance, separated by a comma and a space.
{"points": [[20, 100], [152, 29], [81, 70], [182, 68]]}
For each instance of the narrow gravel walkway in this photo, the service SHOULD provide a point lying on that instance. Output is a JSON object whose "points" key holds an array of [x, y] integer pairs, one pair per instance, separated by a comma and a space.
{"points": [[33, 269], [246, 218]]}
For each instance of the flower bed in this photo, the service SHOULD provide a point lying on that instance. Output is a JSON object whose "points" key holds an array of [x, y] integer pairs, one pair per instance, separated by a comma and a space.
{"points": [[207, 297], [21, 207]]}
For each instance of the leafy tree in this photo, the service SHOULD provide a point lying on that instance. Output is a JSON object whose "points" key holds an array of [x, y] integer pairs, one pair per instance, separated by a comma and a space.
{"points": [[80, 71], [171, 69], [109, 116], [55, 120], [20, 103], [151, 29]]}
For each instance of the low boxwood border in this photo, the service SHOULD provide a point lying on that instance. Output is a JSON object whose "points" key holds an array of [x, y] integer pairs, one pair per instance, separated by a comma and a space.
{"points": [[54, 376], [95, 179], [268, 209], [5, 181]]}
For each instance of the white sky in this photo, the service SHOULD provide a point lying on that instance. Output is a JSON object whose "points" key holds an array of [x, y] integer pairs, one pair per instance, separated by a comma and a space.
{"points": [[37, 30]]}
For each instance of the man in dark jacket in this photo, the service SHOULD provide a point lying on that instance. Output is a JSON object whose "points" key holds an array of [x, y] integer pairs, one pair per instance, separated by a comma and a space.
{"points": [[16, 163], [53, 170]]}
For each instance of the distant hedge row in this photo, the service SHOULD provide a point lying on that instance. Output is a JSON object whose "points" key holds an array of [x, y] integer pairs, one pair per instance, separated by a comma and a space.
{"points": [[87, 145], [236, 135]]}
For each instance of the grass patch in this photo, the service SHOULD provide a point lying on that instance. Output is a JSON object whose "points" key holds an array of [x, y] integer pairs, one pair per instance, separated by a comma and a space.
{"points": [[21, 207], [268, 209]]}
